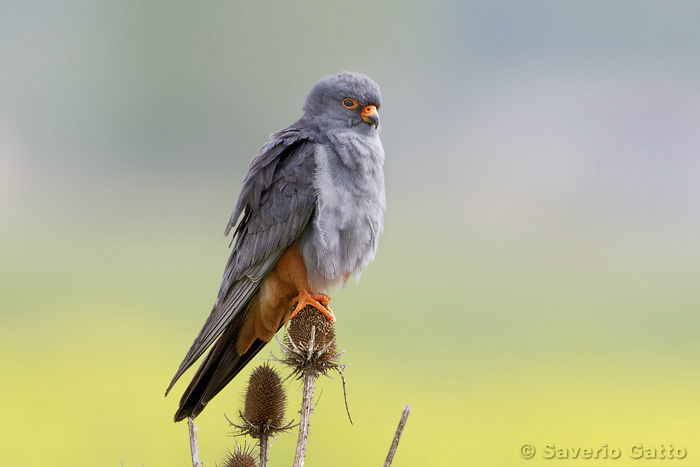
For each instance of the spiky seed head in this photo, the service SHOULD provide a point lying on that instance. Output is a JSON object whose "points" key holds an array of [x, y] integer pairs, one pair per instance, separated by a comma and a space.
{"points": [[300, 329], [309, 347], [309, 344], [241, 457], [265, 401]]}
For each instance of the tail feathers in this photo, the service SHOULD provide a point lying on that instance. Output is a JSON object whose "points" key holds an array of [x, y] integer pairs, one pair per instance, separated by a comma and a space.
{"points": [[220, 366]]}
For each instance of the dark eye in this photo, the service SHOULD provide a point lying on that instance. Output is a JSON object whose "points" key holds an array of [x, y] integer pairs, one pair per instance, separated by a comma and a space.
{"points": [[349, 103]]}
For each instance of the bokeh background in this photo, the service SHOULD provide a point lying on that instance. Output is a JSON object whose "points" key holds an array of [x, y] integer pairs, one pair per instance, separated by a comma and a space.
{"points": [[537, 282]]}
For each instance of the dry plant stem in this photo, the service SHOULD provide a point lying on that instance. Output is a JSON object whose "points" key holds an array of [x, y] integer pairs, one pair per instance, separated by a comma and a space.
{"points": [[194, 448], [263, 451], [397, 436], [309, 378]]}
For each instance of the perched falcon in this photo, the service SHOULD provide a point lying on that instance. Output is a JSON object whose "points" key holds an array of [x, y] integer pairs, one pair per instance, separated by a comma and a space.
{"points": [[308, 216]]}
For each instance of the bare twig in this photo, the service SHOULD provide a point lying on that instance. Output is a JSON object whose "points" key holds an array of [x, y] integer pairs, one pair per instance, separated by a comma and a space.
{"points": [[263, 450], [306, 401], [341, 370], [194, 448], [397, 436]]}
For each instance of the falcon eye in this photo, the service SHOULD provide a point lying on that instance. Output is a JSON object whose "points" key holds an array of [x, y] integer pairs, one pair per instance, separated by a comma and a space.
{"points": [[349, 103]]}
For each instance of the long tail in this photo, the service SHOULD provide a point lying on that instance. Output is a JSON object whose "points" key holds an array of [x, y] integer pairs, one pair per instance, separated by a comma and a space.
{"points": [[219, 367]]}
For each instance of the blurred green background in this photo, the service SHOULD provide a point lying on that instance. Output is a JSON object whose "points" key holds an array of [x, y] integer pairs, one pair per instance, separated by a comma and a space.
{"points": [[537, 282]]}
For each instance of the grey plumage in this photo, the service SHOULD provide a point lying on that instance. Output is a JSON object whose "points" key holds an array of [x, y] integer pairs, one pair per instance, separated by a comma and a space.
{"points": [[260, 238], [320, 183], [349, 208]]}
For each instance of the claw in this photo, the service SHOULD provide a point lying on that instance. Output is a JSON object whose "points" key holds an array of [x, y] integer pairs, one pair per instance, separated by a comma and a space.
{"points": [[317, 300]]}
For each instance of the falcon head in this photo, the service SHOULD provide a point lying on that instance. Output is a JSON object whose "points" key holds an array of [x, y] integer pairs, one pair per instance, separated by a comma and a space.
{"points": [[344, 101]]}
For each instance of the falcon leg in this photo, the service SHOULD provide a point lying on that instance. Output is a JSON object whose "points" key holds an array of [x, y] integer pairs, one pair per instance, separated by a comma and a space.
{"points": [[316, 300]]}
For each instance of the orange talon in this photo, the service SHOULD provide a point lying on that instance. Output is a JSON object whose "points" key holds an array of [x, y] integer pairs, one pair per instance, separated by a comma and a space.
{"points": [[316, 300]]}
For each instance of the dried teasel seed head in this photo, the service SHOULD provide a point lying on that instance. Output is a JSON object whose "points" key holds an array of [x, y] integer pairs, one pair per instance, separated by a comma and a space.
{"points": [[241, 457], [309, 344], [309, 348], [324, 331], [265, 401]]}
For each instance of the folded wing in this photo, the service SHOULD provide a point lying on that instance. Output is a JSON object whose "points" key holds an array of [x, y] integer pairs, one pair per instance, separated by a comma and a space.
{"points": [[276, 203]]}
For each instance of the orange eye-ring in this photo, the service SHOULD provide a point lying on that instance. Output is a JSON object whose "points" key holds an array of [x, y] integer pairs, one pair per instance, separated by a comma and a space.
{"points": [[349, 103]]}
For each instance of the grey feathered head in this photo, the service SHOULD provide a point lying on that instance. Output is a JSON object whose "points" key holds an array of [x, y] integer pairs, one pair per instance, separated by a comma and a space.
{"points": [[344, 100]]}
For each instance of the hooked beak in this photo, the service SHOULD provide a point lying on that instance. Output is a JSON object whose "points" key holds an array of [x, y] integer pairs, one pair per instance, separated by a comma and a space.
{"points": [[369, 115]]}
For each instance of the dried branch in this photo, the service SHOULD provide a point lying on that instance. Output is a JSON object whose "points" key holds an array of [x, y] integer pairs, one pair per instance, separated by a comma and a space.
{"points": [[309, 348], [263, 450], [397, 436], [307, 399], [194, 447]]}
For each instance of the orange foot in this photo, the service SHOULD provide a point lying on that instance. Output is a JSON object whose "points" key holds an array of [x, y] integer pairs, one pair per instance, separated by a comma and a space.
{"points": [[316, 300]]}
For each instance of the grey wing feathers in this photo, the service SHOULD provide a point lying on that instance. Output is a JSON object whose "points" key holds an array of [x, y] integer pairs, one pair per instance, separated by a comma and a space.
{"points": [[277, 201], [277, 204], [261, 171]]}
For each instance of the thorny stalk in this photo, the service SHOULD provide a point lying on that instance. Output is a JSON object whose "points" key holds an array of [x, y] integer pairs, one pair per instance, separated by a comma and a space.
{"points": [[265, 402], [307, 399], [194, 447], [397, 436], [310, 351], [263, 450]]}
